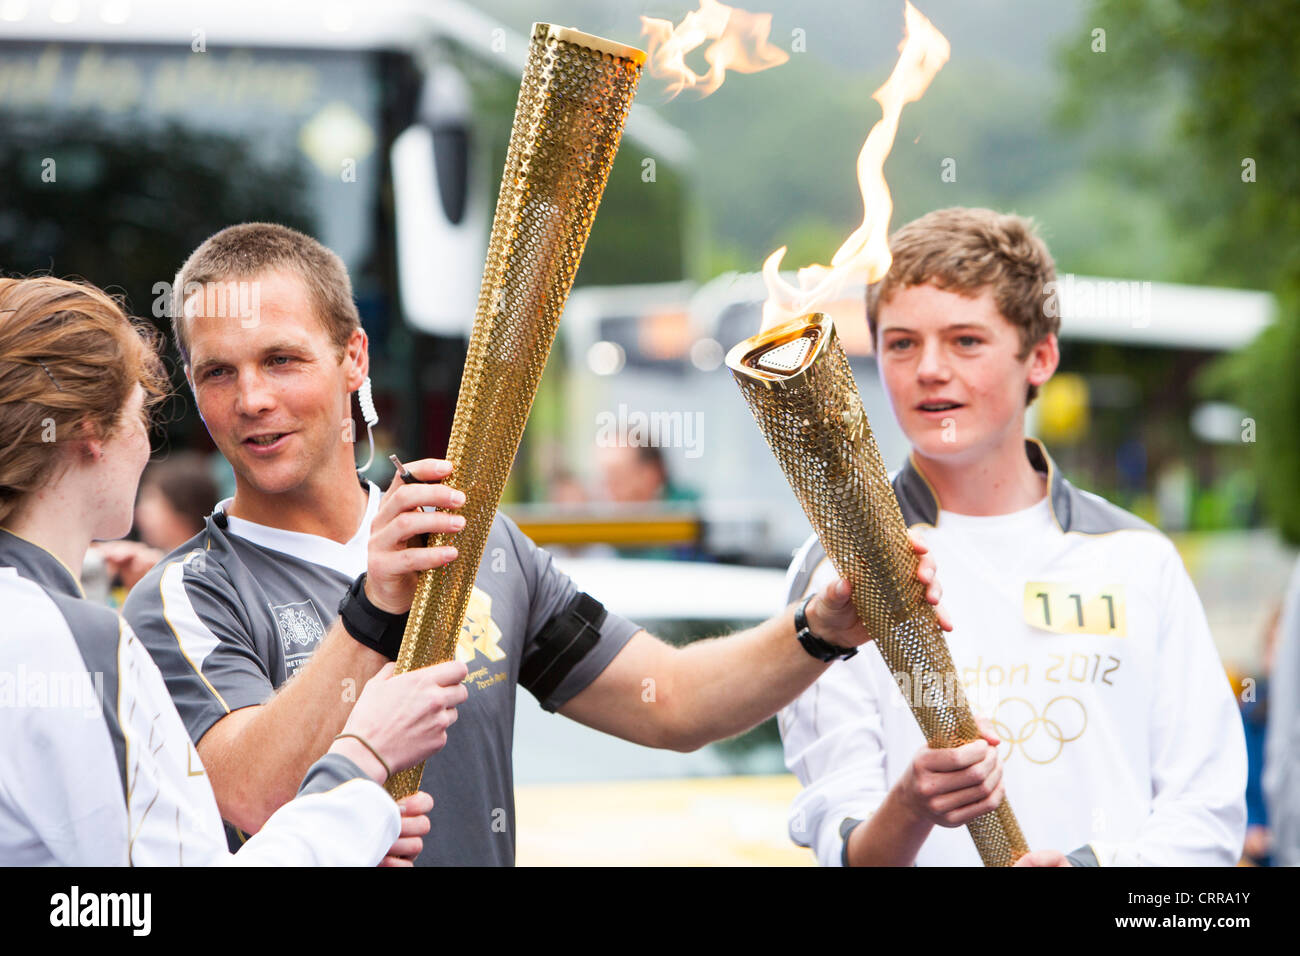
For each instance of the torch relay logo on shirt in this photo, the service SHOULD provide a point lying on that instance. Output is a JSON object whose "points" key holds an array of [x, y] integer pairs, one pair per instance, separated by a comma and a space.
{"points": [[479, 633]]}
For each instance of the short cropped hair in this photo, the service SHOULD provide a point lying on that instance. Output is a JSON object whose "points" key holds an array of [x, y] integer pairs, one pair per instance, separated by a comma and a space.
{"points": [[252, 249], [964, 250]]}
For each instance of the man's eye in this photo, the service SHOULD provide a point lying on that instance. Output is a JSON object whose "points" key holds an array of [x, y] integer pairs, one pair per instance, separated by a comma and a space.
{"points": [[280, 360], [899, 344], [212, 373], [968, 341]]}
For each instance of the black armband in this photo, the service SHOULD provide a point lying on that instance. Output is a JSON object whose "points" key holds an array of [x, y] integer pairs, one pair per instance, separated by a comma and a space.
{"points": [[376, 629], [563, 642]]}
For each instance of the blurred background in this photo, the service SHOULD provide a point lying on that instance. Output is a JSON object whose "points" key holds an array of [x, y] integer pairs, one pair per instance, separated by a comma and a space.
{"points": [[1154, 141]]}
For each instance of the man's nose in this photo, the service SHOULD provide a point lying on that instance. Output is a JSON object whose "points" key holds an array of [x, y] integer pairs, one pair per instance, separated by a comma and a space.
{"points": [[255, 394]]}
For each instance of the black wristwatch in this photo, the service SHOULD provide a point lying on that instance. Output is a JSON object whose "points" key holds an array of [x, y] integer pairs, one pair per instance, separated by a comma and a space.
{"points": [[375, 628], [824, 651]]}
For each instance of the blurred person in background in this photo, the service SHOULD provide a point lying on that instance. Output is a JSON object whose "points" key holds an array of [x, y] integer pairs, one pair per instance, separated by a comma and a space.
{"points": [[1254, 719], [565, 490], [1282, 745], [176, 494], [634, 474], [77, 382]]}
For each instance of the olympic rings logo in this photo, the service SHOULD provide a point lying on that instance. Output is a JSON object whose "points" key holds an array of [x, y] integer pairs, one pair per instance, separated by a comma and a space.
{"points": [[1017, 722]]}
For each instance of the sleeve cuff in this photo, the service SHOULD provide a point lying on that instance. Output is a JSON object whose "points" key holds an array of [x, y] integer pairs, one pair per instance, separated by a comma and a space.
{"points": [[846, 828], [1084, 856], [330, 771]]}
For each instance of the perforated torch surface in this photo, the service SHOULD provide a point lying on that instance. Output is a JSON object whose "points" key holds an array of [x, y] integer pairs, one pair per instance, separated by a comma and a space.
{"points": [[811, 414], [573, 102]]}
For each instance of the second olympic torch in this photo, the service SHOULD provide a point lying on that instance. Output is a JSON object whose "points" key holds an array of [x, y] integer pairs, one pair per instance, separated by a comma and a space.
{"points": [[573, 102], [800, 388]]}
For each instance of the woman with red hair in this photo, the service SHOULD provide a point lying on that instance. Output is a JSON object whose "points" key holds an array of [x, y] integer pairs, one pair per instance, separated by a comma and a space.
{"points": [[95, 765]]}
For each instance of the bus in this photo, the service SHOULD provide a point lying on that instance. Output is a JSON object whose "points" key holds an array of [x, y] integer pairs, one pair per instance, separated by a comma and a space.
{"points": [[130, 131]]}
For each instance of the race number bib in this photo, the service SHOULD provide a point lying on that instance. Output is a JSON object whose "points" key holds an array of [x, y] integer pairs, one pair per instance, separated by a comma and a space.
{"points": [[1071, 609]]}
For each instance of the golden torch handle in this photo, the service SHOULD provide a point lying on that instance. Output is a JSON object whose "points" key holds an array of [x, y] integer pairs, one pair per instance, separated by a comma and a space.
{"points": [[573, 102], [800, 388]]}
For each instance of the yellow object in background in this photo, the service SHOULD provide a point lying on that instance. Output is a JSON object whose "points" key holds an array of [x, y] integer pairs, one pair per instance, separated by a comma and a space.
{"points": [[1063, 409]]}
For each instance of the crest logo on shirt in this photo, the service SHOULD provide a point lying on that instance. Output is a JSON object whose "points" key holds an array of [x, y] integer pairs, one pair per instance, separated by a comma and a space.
{"points": [[300, 630]]}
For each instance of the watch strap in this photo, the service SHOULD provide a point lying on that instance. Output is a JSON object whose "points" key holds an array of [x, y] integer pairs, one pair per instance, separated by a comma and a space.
{"points": [[823, 650], [377, 629]]}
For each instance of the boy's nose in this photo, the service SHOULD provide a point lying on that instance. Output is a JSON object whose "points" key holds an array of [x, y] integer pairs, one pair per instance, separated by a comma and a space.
{"points": [[933, 365]]}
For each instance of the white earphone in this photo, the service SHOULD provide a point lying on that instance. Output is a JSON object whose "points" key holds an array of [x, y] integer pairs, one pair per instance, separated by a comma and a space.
{"points": [[367, 402]]}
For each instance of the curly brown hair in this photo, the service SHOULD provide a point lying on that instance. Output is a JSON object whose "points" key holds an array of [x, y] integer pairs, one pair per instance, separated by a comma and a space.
{"points": [[963, 250], [69, 360]]}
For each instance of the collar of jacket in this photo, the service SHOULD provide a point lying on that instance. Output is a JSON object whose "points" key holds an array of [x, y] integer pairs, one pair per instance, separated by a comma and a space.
{"points": [[33, 562], [920, 505]]}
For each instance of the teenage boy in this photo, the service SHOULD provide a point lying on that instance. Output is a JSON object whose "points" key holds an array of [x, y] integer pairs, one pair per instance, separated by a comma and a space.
{"points": [[1108, 718]]}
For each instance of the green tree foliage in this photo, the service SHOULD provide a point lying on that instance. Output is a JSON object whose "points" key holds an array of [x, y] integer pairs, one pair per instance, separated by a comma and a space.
{"points": [[1223, 81]]}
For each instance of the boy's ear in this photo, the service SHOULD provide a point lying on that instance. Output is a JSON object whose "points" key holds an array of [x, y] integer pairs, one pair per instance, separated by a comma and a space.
{"points": [[1043, 359]]}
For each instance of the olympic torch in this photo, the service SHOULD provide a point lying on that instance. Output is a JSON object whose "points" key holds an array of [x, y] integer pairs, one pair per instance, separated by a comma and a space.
{"points": [[800, 388], [573, 103]]}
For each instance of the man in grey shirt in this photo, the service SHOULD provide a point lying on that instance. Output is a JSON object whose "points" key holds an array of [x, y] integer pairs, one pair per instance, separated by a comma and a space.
{"points": [[263, 660], [239, 610]]}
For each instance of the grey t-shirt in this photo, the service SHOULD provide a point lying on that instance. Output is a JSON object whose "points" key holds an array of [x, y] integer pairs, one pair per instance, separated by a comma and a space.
{"points": [[233, 613]]}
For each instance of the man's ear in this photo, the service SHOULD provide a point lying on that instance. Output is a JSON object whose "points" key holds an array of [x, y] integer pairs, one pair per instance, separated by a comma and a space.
{"points": [[1043, 359], [356, 356]]}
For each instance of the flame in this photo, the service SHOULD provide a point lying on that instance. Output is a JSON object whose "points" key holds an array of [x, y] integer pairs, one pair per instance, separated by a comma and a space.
{"points": [[865, 253], [739, 43]]}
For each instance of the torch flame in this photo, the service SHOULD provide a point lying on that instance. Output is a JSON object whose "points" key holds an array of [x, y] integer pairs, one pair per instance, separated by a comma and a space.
{"points": [[865, 253], [739, 43]]}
